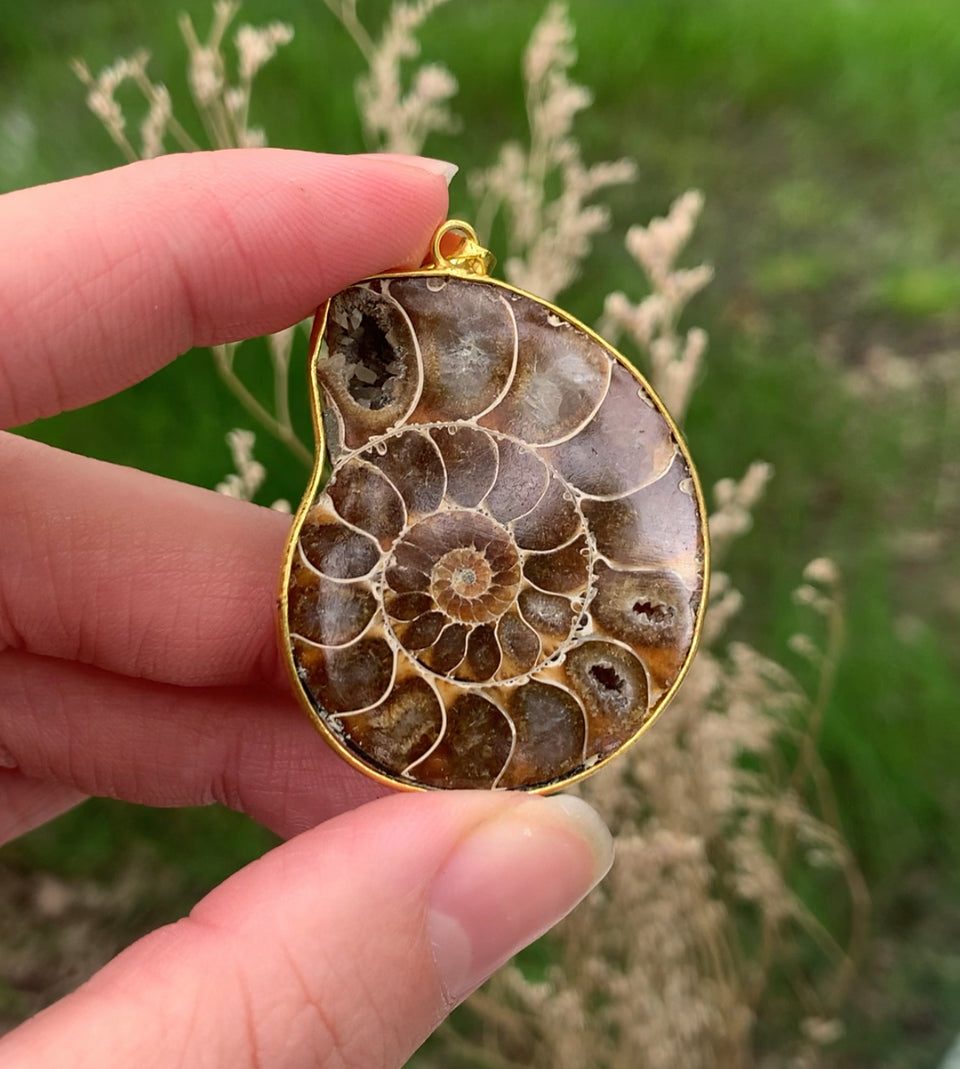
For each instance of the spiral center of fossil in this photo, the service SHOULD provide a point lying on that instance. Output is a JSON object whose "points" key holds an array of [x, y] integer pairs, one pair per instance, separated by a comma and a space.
{"points": [[452, 572], [461, 573], [475, 583]]}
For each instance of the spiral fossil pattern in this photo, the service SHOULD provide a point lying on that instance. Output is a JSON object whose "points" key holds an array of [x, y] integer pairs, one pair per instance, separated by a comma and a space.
{"points": [[500, 582]]}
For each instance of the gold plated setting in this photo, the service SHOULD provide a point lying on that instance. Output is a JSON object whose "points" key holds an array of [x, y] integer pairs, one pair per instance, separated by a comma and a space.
{"points": [[502, 582]]}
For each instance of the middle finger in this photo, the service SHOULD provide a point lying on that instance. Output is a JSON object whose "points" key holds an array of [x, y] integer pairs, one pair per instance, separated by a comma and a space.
{"points": [[248, 748], [134, 573]]}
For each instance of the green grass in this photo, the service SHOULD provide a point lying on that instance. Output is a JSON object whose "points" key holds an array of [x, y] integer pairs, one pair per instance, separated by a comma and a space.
{"points": [[824, 135]]}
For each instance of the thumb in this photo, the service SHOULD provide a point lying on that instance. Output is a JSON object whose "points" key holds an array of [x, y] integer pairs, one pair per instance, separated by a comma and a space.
{"points": [[344, 947]]}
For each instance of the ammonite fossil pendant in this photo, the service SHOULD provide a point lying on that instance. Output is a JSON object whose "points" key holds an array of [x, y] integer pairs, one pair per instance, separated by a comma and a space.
{"points": [[501, 583]]}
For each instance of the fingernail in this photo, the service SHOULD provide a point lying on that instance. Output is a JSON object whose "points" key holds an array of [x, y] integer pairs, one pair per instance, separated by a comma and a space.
{"points": [[510, 880], [424, 163]]}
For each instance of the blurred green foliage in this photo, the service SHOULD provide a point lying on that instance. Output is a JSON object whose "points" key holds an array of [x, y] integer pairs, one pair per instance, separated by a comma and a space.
{"points": [[825, 136]]}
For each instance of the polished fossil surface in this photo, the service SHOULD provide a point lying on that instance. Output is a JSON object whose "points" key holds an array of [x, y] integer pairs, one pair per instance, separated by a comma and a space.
{"points": [[501, 581]]}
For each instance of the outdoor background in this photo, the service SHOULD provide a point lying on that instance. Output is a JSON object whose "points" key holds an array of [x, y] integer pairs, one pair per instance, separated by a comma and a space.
{"points": [[825, 137]]}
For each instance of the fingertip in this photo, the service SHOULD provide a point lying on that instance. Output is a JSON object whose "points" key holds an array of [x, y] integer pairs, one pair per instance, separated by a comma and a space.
{"points": [[508, 881], [446, 170]]}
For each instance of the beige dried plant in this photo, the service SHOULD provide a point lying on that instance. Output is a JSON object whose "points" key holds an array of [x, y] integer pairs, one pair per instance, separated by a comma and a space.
{"points": [[396, 119], [249, 475], [223, 106], [548, 235], [651, 324]]}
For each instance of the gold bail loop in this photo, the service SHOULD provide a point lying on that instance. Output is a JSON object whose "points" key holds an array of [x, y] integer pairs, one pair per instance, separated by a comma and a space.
{"points": [[468, 255]]}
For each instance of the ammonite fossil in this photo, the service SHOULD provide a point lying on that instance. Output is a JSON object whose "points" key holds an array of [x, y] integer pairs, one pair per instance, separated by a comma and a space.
{"points": [[501, 583]]}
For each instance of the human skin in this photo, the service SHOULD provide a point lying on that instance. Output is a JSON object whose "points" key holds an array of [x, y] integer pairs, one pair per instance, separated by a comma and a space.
{"points": [[138, 656]]}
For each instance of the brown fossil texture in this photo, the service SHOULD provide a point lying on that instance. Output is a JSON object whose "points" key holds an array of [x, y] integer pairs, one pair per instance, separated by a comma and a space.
{"points": [[500, 583]]}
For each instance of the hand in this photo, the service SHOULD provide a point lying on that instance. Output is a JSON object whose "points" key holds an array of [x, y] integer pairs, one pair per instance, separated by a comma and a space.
{"points": [[138, 655]]}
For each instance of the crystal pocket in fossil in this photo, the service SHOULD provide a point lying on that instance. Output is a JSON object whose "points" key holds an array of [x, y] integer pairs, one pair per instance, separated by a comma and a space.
{"points": [[501, 583]]}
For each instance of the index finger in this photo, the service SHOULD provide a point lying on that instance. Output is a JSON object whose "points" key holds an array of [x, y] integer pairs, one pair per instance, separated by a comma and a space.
{"points": [[106, 278]]}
